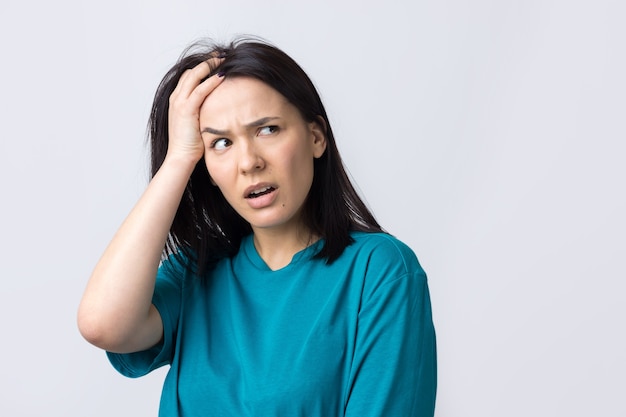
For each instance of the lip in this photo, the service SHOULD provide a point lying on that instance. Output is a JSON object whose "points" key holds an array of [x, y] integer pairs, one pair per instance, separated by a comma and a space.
{"points": [[257, 186], [262, 201]]}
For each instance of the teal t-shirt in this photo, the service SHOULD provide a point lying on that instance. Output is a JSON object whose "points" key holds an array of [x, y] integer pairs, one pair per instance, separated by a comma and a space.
{"points": [[353, 338]]}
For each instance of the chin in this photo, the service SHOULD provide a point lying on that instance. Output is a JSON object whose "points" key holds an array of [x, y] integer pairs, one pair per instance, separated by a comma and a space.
{"points": [[272, 222]]}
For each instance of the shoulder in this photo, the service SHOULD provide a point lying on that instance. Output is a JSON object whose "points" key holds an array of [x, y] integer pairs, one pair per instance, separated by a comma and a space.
{"points": [[382, 249], [388, 266], [177, 269]]}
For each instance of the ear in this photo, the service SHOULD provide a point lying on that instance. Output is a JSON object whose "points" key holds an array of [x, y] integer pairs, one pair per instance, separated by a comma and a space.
{"points": [[318, 131]]}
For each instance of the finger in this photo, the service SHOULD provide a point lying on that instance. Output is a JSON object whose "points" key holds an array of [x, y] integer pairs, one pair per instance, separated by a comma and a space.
{"points": [[192, 77], [202, 91]]}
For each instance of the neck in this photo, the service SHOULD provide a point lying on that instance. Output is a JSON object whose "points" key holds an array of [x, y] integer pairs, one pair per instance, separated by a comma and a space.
{"points": [[277, 248]]}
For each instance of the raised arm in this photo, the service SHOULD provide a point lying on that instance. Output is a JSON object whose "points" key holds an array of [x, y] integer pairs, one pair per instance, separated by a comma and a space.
{"points": [[116, 311]]}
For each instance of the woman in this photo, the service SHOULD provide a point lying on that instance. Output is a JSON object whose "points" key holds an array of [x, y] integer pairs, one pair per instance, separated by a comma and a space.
{"points": [[280, 295]]}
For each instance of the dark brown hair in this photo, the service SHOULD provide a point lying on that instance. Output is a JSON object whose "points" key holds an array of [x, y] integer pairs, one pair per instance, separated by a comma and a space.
{"points": [[206, 228]]}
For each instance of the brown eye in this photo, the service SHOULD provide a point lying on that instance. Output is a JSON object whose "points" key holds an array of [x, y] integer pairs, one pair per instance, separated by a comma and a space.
{"points": [[221, 143], [268, 130]]}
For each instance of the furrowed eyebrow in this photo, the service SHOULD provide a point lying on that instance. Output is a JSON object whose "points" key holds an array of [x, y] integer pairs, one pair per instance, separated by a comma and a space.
{"points": [[214, 131], [262, 121], [257, 123]]}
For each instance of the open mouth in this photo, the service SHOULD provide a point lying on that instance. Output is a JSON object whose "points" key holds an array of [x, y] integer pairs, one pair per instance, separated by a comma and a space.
{"points": [[260, 192]]}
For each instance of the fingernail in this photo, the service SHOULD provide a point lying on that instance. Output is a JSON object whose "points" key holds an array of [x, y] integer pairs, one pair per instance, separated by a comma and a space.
{"points": [[221, 74]]}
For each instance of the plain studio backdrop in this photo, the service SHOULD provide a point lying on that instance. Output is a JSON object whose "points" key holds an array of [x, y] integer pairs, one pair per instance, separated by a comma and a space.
{"points": [[489, 135]]}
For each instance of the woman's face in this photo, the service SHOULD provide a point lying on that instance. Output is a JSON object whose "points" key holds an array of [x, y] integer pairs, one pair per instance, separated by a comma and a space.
{"points": [[259, 151]]}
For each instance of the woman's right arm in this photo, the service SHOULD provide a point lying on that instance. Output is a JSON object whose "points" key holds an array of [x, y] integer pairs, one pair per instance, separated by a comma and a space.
{"points": [[116, 311]]}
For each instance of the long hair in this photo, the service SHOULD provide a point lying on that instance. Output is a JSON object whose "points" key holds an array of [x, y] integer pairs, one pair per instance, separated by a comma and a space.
{"points": [[206, 228]]}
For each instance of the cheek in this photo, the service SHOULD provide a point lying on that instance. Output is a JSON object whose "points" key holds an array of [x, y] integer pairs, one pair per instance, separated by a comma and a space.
{"points": [[297, 156], [215, 173], [301, 171]]}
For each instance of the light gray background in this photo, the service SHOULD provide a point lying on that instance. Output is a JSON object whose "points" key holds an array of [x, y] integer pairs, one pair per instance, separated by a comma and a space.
{"points": [[487, 134]]}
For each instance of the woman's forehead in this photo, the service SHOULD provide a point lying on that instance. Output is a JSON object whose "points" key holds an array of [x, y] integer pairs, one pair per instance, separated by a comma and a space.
{"points": [[242, 100]]}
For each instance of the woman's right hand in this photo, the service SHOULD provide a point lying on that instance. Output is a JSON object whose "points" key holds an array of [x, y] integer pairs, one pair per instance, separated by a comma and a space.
{"points": [[184, 112]]}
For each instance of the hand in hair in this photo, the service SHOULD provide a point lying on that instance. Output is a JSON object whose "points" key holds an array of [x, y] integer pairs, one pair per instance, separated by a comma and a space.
{"points": [[184, 108]]}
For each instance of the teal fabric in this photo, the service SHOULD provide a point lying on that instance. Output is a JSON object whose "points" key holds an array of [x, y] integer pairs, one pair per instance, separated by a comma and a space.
{"points": [[354, 338]]}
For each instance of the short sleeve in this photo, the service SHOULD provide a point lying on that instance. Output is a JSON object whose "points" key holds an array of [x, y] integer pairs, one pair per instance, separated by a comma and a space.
{"points": [[167, 300], [394, 369]]}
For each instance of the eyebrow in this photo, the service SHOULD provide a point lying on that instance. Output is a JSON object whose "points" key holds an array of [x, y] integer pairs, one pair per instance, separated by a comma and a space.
{"points": [[257, 123]]}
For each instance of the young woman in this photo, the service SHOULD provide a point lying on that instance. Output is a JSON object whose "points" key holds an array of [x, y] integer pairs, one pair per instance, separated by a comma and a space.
{"points": [[279, 294]]}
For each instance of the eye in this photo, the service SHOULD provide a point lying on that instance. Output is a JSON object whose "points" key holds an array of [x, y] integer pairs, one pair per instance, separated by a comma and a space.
{"points": [[220, 144], [268, 130]]}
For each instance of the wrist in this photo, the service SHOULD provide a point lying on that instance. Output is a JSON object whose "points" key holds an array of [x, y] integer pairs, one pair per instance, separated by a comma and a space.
{"points": [[180, 163]]}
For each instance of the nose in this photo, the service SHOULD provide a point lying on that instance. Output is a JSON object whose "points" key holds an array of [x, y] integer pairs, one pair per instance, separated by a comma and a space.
{"points": [[250, 160]]}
